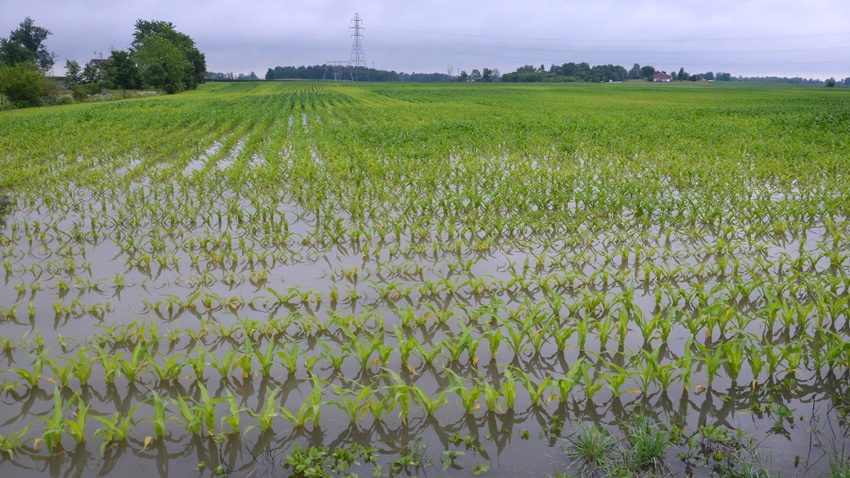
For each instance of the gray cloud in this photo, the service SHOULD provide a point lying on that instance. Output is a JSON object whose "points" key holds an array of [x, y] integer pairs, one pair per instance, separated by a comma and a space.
{"points": [[800, 38]]}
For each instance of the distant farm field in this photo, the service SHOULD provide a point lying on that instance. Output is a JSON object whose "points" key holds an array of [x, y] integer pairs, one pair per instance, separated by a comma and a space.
{"points": [[458, 279]]}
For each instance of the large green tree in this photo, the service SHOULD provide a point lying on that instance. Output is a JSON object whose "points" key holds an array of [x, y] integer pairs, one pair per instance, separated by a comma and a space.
{"points": [[120, 71], [166, 58], [26, 45]]}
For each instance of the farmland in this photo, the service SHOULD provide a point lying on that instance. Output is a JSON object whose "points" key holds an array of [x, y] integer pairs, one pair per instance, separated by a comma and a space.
{"points": [[428, 277]]}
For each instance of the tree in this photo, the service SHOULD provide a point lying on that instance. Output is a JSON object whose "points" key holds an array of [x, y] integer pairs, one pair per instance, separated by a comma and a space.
{"points": [[708, 75], [26, 45], [12, 53], [120, 71], [647, 72], [73, 72], [682, 75], [23, 83], [167, 59], [634, 73], [161, 65], [830, 82], [92, 77], [475, 75], [464, 76], [487, 74]]}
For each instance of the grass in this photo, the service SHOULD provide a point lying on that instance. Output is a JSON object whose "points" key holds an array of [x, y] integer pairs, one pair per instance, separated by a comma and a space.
{"points": [[591, 450]]}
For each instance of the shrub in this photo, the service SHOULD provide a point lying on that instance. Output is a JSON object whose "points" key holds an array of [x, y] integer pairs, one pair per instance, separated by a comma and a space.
{"points": [[23, 84]]}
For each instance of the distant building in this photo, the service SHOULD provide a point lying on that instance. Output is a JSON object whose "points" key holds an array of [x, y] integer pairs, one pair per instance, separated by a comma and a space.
{"points": [[662, 77]]}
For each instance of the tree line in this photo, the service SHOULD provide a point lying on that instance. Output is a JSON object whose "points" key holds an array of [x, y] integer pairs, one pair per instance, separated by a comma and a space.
{"points": [[159, 57], [345, 73], [602, 73]]}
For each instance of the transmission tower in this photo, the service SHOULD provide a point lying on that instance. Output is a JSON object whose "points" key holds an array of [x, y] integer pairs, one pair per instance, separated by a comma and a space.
{"points": [[338, 70], [358, 58]]}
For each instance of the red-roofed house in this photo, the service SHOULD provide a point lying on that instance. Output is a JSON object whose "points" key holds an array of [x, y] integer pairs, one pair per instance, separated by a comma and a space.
{"points": [[662, 77]]}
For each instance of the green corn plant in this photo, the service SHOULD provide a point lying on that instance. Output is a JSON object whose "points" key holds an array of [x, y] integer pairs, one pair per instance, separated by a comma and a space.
{"points": [[363, 349], [234, 415], [225, 364], [591, 386], [666, 374], [405, 344], [604, 328], [397, 393], [158, 420], [582, 326], [266, 359], [310, 409], [55, 424], [561, 336], [33, 376], [536, 392], [9, 444], [685, 363], [206, 408], [616, 377], [538, 338], [792, 354], [454, 346], [491, 395], [428, 355], [198, 363], [268, 413], [494, 338], [336, 358], [426, 403], [516, 338], [190, 417], [773, 356], [76, 427], [468, 397], [645, 364], [169, 371], [712, 360], [564, 385], [354, 408], [132, 369], [734, 352], [115, 429], [109, 364], [290, 356], [509, 388]]}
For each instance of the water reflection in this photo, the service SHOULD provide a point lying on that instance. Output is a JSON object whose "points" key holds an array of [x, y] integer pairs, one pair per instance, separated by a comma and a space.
{"points": [[6, 203]]}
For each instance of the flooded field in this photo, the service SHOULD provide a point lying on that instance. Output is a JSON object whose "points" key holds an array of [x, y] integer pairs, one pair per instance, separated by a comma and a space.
{"points": [[269, 279]]}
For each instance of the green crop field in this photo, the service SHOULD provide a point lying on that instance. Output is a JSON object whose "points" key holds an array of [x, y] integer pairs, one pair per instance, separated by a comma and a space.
{"points": [[274, 278]]}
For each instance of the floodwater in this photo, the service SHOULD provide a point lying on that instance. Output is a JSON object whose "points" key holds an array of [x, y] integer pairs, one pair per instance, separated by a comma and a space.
{"points": [[99, 278]]}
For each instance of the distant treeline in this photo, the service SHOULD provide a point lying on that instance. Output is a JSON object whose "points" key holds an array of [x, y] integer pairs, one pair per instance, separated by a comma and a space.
{"points": [[603, 73], [796, 80], [567, 72], [344, 73]]}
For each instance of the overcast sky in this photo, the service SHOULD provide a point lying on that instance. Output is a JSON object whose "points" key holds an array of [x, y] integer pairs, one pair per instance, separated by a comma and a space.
{"points": [[803, 38]]}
